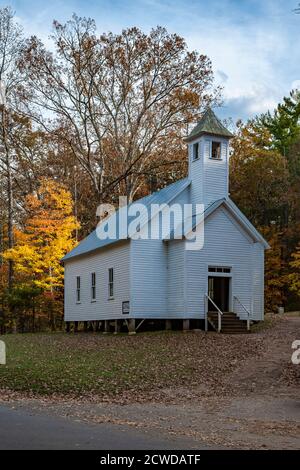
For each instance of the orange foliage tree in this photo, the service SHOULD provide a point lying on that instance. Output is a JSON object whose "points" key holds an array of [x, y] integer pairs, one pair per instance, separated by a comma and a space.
{"points": [[45, 237], [259, 184]]}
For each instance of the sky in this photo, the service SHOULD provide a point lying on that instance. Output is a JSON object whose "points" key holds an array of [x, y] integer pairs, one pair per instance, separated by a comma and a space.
{"points": [[254, 45]]}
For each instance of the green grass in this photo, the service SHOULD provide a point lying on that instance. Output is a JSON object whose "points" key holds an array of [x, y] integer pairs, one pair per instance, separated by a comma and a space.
{"points": [[46, 364]]}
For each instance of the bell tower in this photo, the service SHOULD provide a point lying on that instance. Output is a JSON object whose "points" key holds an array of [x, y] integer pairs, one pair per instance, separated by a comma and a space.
{"points": [[208, 151]]}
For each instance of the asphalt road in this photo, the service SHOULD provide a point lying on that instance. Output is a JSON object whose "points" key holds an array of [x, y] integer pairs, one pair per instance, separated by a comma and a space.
{"points": [[24, 429]]}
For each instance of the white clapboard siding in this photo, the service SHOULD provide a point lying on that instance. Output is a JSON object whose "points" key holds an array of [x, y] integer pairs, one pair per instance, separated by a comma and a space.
{"points": [[196, 173], [176, 279], [215, 172], [148, 278], [258, 282], [209, 177], [170, 216], [115, 256], [149, 274], [224, 244]]}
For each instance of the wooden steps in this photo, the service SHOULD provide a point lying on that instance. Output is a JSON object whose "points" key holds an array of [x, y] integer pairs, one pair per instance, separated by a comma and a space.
{"points": [[231, 324]]}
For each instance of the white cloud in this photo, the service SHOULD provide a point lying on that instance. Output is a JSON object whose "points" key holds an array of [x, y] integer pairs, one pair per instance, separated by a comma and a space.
{"points": [[248, 56]]}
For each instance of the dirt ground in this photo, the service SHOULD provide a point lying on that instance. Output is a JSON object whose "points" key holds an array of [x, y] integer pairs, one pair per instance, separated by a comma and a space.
{"points": [[256, 406]]}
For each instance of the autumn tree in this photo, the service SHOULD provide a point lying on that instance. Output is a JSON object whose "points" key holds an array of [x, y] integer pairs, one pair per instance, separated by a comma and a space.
{"points": [[294, 276], [275, 269], [46, 236], [121, 102], [11, 43], [259, 178], [293, 158], [259, 184], [265, 182]]}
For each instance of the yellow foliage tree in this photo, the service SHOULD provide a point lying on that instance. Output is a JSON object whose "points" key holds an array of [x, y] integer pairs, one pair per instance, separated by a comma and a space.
{"points": [[46, 236]]}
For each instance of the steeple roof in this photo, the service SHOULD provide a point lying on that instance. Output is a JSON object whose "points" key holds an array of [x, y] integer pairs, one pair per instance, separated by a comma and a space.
{"points": [[209, 124]]}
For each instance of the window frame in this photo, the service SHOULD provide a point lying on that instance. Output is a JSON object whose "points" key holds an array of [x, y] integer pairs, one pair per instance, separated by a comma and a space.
{"points": [[110, 283], [78, 289], [219, 270], [93, 287], [219, 144], [195, 153]]}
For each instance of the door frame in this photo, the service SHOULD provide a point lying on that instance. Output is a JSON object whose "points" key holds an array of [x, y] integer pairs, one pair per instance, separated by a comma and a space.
{"points": [[216, 274]]}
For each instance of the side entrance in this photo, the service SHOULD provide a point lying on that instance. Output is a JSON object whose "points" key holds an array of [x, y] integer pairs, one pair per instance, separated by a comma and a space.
{"points": [[219, 291]]}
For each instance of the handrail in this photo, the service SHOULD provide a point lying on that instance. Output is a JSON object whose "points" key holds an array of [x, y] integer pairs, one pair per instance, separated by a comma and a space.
{"points": [[220, 313], [246, 310]]}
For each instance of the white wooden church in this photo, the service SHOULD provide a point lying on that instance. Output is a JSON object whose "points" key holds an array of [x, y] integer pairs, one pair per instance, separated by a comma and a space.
{"points": [[123, 283]]}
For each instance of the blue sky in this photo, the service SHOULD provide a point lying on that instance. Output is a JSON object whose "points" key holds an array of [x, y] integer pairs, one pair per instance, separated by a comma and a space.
{"points": [[254, 45]]}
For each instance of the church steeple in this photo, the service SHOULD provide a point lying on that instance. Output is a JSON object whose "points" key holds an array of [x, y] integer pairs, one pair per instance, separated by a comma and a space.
{"points": [[208, 159], [211, 125]]}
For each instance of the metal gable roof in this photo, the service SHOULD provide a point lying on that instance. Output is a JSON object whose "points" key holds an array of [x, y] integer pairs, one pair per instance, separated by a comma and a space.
{"points": [[92, 242], [235, 211], [209, 124]]}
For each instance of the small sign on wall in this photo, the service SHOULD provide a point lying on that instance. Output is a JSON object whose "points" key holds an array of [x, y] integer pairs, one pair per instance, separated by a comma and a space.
{"points": [[125, 307]]}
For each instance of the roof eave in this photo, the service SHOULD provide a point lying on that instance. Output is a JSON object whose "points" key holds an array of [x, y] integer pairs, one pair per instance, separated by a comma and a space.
{"points": [[68, 256], [248, 226], [190, 138], [77, 255]]}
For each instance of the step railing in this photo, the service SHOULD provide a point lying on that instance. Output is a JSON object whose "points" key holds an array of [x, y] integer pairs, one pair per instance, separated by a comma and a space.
{"points": [[220, 313], [245, 309]]}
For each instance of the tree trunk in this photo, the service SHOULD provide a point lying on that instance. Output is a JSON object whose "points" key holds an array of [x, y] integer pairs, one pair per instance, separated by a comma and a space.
{"points": [[33, 316], [9, 195], [51, 316]]}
